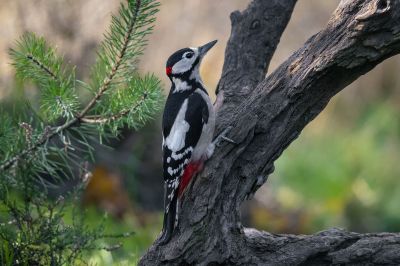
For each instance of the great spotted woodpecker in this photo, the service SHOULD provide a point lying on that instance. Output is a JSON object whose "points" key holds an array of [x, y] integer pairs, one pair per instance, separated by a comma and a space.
{"points": [[188, 128]]}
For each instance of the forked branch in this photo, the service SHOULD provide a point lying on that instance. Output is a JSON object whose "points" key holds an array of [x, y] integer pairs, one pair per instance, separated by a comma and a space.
{"points": [[266, 117]]}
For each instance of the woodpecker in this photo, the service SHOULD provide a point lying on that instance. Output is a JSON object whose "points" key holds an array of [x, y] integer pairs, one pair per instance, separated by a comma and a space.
{"points": [[188, 128]]}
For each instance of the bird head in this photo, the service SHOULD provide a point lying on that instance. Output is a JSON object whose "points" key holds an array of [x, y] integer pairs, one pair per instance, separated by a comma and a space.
{"points": [[184, 62]]}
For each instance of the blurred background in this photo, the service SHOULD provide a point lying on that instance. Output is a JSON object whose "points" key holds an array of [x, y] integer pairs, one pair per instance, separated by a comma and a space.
{"points": [[343, 170]]}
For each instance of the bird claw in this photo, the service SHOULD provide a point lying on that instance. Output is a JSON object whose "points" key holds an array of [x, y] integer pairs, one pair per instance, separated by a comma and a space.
{"points": [[222, 136]]}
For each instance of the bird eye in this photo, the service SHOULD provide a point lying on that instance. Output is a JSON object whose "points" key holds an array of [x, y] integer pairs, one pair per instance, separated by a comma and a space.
{"points": [[189, 55]]}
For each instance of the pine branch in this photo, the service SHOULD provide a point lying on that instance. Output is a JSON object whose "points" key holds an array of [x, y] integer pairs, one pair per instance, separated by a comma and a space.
{"points": [[35, 60], [96, 119], [49, 134], [42, 66], [118, 62], [117, 65], [46, 136]]}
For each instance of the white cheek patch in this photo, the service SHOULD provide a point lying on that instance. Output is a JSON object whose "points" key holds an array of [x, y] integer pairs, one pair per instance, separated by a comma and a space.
{"points": [[182, 66], [185, 64]]}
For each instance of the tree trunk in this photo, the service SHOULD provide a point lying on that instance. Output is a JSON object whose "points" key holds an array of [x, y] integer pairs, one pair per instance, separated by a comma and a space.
{"points": [[266, 114]]}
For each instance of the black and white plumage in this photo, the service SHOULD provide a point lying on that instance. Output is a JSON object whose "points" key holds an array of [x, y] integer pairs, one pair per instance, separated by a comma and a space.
{"points": [[188, 128]]}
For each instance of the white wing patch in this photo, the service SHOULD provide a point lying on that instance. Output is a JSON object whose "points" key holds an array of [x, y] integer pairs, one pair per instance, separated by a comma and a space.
{"points": [[176, 138]]}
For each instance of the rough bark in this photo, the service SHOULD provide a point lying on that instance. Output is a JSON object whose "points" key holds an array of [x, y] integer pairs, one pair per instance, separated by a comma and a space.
{"points": [[266, 115]]}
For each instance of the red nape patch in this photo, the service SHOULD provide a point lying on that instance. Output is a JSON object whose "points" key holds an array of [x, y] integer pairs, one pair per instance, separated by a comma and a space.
{"points": [[191, 169], [168, 70]]}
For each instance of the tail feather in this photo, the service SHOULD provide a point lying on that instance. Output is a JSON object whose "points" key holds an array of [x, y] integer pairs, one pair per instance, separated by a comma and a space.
{"points": [[172, 195], [170, 214]]}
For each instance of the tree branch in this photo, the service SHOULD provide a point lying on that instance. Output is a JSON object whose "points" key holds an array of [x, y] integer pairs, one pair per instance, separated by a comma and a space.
{"points": [[117, 64], [102, 120], [330, 247], [255, 35], [265, 120]]}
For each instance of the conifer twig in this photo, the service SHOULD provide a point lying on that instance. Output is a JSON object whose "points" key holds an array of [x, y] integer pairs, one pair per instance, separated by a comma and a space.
{"points": [[48, 135], [42, 66], [97, 119], [107, 81]]}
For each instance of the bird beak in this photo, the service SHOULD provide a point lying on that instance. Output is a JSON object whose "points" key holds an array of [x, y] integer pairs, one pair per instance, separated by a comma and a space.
{"points": [[206, 47]]}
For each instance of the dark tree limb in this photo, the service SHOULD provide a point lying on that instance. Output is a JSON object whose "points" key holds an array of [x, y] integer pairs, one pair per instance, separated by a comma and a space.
{"points": [[255, 35], [266, 117], [329, 247]]}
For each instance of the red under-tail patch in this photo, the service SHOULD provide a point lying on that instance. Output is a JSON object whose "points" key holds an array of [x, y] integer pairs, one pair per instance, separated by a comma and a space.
{"points": [[168, 70], [191, 169]]}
